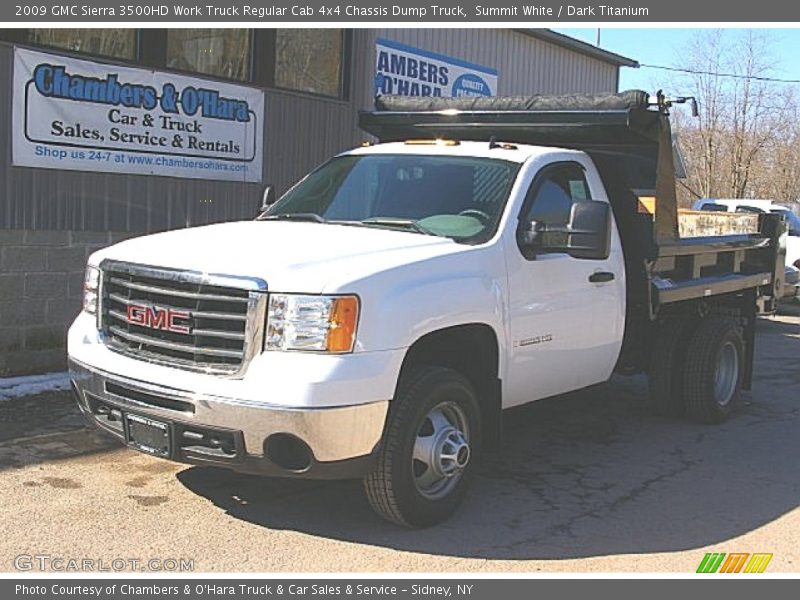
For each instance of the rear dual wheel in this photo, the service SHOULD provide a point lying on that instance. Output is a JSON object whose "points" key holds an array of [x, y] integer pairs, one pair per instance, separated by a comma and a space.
{"points": [[714, 369], [697, 367], [667, 360]]}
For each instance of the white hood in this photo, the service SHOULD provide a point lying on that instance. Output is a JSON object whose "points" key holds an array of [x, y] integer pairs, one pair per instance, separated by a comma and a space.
{"points": [[289, 256]]}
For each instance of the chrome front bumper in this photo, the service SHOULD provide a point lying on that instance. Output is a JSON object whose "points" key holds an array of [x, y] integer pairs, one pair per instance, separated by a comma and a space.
{"points": [[234, 433]]}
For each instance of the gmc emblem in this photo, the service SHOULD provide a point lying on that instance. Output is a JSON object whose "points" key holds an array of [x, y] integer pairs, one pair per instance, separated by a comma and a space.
{"points": [[155, 317]]}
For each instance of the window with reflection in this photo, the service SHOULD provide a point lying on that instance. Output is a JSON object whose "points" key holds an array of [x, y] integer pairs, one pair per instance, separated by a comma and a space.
{"points": [[219, 52], [309, 60], [115, 43]]}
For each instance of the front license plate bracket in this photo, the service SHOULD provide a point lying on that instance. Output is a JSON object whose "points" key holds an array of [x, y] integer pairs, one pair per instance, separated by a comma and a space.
{"points": [[148, 435]]}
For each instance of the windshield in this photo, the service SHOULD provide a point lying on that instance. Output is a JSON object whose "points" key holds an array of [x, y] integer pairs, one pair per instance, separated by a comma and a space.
{"points": [[792, 220], [450, 196]]}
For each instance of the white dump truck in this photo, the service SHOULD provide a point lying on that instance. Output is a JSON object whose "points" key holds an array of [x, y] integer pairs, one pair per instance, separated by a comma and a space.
{"points": [[375, 321]]}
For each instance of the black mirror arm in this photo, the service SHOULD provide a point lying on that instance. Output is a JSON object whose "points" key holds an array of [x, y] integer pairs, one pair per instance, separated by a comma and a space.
{"points": [[531, 236]]}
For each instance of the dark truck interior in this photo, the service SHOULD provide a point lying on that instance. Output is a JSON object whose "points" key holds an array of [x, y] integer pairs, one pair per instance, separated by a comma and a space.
{"points": [[629, 138]]}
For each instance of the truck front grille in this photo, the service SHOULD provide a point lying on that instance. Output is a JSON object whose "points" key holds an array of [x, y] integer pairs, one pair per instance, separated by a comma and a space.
{"points": [[191, 320]]}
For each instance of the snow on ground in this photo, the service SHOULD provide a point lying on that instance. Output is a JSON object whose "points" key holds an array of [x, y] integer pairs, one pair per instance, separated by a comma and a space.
{"points": [[18, 387]]}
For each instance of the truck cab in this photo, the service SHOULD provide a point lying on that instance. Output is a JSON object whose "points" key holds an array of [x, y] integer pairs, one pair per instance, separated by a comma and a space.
{"points": [[376, 319]]}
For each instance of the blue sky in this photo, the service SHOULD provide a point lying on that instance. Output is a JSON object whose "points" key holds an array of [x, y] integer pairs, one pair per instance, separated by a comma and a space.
{"points": [[662, 46]]}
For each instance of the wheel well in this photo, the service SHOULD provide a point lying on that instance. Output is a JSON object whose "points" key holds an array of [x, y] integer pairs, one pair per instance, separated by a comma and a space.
{"points": [[473, 351]]}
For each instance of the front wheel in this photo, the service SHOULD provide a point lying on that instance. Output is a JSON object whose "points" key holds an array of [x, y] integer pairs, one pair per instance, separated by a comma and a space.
{"points": [[427, 459]]}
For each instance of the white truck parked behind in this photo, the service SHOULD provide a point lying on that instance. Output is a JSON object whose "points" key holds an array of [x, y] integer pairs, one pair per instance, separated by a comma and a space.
{"points": [[791, 240], [376, 320]]}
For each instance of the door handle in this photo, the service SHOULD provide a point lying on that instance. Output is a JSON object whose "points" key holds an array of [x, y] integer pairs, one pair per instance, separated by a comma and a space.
{"points": [[601, 277]]}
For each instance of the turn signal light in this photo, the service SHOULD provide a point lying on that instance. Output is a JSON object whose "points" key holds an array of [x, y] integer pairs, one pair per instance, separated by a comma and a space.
{"points": [[343, 319]]}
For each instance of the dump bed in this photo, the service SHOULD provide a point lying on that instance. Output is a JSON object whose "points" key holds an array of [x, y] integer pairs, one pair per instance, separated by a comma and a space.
{"points": [[628, 137]]}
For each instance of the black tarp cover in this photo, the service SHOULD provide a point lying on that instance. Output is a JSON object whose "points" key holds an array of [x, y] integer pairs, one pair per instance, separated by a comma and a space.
{"points": [[623, 122], [623, 101]]}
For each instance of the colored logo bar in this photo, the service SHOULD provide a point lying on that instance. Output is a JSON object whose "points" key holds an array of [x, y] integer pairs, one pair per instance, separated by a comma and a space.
{"points": [[734, 562]]}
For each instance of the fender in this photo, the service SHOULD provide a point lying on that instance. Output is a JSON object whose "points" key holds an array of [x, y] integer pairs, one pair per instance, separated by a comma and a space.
{"points": [[405, 303]]}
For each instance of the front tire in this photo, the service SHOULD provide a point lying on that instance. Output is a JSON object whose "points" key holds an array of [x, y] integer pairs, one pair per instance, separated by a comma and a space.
{"points": [[713, 370], [427, 460]]}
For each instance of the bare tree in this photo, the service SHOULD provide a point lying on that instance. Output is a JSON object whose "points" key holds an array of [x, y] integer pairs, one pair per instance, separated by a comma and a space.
{"points": [[731, 149], [706, 158]]}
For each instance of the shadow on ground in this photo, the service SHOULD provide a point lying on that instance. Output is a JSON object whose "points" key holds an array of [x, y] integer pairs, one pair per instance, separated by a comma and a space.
{"points": [[44, 428], [586, 474]]}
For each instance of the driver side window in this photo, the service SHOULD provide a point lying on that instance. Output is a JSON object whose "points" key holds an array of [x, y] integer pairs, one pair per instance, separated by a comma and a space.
{"points": [[553, 193]]}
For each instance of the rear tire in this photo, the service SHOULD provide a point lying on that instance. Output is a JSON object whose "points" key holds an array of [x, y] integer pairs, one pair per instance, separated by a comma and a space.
{"points": [[665, 373], [714, 368], [432, 439]]}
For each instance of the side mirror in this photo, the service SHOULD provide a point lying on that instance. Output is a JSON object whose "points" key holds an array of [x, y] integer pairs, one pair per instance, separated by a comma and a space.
{"points": [[587, 235], [267, 199]]}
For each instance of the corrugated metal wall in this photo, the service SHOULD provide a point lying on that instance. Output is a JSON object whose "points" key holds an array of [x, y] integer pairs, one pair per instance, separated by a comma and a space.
{"points": [[6, 62], [300, 132]]}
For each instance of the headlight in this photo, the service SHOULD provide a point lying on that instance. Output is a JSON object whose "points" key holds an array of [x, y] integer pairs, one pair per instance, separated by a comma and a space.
{"points": [[318, 323], [91, 286]]}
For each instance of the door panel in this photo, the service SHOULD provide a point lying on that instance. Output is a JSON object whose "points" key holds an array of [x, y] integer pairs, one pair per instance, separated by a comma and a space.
{"points": [[565, 330]]}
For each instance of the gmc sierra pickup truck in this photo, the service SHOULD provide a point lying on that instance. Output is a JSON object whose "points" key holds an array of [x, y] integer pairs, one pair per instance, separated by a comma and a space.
{"points": [[375, 321]]}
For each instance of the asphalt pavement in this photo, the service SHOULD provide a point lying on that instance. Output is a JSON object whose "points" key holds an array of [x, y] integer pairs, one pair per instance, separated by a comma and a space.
{"points": [[585, 482]]}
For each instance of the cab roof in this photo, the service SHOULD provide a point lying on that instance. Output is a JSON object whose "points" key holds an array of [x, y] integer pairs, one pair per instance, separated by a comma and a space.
{"points": [[517, 153]]}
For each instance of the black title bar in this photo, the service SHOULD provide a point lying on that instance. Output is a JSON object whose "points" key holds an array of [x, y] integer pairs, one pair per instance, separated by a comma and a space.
{"points": [[385, 589], [316, 12]]}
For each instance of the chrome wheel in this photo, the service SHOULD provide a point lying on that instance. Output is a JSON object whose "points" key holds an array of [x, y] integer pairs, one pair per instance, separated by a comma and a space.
{"points": [[726, 376], [441, 450]]}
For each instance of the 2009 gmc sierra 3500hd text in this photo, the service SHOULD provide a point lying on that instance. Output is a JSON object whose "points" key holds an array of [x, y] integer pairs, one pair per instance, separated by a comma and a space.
{"points": [[375, 320]]}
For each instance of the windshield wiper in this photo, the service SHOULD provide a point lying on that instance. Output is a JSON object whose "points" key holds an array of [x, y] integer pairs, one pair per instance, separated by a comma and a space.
{"points": [[409, 224], [313, 217], [397, 222]]}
